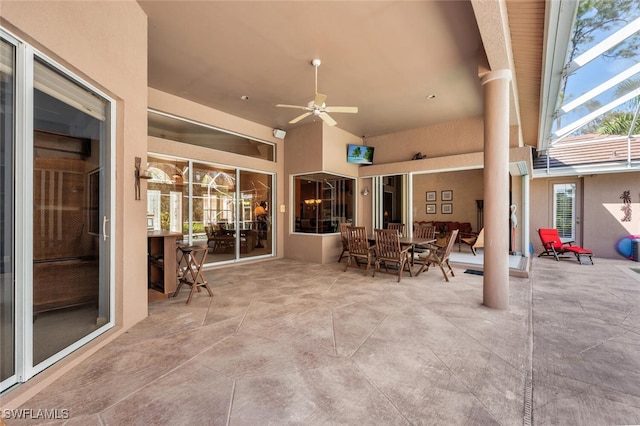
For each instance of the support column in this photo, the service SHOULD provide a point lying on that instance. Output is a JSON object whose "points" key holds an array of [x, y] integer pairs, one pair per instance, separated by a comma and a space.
{"points": [[496, 189]]}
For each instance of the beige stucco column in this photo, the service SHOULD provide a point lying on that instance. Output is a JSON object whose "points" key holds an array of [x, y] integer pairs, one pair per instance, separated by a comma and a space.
{"points": [[496, 189]]}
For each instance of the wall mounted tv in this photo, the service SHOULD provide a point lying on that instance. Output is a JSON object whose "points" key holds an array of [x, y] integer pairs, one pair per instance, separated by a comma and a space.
{"points": [[359, 154]]}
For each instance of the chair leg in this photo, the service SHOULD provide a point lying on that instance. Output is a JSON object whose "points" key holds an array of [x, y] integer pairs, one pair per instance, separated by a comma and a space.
{"points": [[400, 269], [443, 271], [450, 269], [347, 263]]}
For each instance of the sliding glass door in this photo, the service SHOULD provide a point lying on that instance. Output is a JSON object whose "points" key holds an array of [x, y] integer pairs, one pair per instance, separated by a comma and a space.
{"points": [[70, 268], [56, 205], [211, 205]]}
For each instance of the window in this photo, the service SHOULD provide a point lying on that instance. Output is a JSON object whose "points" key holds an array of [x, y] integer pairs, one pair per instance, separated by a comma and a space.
{"points": [[323, 201], [164, 126]]}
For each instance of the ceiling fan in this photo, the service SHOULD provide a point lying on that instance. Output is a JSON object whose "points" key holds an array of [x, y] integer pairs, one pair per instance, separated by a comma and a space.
{"points": [[317, 106]]}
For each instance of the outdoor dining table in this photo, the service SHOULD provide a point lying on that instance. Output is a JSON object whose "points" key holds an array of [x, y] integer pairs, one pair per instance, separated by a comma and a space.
{"points": [[409, 241]]}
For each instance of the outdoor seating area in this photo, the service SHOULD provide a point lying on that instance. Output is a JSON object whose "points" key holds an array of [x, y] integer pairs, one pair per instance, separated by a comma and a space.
{"points": [[387, 250]]}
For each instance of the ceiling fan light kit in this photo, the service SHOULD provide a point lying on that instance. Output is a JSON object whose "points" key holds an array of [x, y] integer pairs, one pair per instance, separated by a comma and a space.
{"points": [[317, 107]]}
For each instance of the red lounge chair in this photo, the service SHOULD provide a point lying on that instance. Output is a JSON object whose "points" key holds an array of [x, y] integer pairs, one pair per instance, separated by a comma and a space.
{"points": [[553, 246]]}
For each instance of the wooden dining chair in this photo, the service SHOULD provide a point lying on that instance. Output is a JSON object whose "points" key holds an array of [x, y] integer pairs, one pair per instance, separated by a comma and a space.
{"points": [[389, 251], [425, 232], [439, 256], [359, 248], [428, 232], [344, 240], [397, 226]]}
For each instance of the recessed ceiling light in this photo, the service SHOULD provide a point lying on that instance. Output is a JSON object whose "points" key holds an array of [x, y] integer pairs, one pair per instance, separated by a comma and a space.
{"points": [[244, 97], [431, 96]]}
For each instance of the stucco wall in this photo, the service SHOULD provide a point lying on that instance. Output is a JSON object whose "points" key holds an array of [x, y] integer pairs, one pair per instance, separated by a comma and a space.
{"points": [[312, 148], [467, 187], [105, 43], [451, 138], [600, 214]]}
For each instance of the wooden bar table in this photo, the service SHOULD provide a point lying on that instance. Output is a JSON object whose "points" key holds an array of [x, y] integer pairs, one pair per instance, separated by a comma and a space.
{"points": [[161, 251]]}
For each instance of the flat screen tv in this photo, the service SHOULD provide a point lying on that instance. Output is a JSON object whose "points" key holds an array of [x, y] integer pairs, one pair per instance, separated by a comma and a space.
{"points": [[359, 154]]}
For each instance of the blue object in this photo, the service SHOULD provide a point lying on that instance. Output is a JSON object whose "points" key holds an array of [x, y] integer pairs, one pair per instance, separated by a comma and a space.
{"points": [[624, 246]]}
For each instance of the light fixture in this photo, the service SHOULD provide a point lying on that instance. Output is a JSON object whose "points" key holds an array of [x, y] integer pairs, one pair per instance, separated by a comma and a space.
{"points": [[177, 177], [140, 174], [365, 191]]}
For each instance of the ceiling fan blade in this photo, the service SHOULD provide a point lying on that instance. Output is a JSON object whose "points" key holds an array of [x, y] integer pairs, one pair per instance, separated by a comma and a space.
{"points": [[300, 117], [292, 106], [327, 119], [341, 109], [319, 99]]}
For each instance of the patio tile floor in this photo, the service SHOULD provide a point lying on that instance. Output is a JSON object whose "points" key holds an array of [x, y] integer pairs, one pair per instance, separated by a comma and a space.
{"points": [[287, 342]]}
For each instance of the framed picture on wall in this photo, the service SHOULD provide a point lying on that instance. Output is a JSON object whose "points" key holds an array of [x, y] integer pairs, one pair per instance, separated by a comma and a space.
{"points": [[446, 208], [431, 209], [432, 196], [447, 195]]}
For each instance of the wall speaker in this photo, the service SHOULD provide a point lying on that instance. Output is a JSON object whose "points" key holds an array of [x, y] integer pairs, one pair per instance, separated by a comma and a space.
{"points": [[279, 133]]}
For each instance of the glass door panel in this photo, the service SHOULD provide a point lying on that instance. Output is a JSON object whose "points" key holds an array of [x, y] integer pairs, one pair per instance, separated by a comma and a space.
{"points": [[7, 277], [256, 230], [218, 207], [70, 213], [564, 210], [214, 208]]}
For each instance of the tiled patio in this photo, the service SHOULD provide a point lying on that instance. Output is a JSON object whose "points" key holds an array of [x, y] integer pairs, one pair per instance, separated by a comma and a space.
{"points": [[285, 342]]}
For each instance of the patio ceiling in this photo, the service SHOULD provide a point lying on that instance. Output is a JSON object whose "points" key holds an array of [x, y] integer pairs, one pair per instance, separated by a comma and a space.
{"points": [[385, 57]]}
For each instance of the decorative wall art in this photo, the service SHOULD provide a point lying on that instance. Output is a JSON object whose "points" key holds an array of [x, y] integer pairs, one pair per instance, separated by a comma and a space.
{"points": [[432, 196], [446, 208], [447, 195], [431, 209]]}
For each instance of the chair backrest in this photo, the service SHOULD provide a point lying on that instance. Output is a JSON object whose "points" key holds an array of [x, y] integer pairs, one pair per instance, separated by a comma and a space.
{"points": [[357, 240], [452, 240], [387, 243], [344, 234], [425, 232], [397, 226], [550, 238]]}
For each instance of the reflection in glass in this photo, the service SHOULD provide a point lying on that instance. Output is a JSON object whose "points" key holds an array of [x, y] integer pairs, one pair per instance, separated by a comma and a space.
{"points": [[7, 290], [70, 260], [180, 130], [323, 200], [222, 200], [256, 230]]}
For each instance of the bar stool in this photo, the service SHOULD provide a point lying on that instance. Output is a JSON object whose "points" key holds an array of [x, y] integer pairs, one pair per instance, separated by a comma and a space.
{"points": [[194, 257]]}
